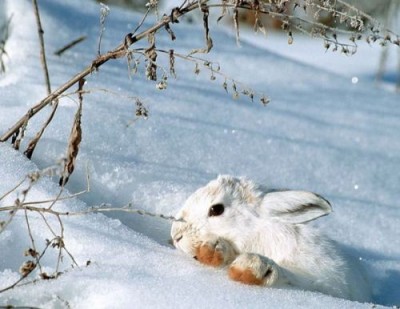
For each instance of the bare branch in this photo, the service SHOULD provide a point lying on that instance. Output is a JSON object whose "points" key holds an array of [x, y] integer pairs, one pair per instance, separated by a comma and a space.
{"points": [[63, 49], [42, 48], [32, 144]]}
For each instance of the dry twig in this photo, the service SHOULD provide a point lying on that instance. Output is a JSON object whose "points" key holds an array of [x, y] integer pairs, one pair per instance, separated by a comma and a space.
{"points": [[63, 49], [42, 48], [32, 144]]}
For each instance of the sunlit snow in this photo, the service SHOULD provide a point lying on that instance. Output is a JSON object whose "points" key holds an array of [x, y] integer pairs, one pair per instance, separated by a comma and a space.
{"points": [[327, 131]]}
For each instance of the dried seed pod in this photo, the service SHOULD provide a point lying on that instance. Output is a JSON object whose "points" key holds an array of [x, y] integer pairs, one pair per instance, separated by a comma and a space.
{"points": [[196, 69], [224, 10], [75, 139], [170, 32], [58, 243], [172, 63], [151, 54], [17, 139], [161, 85], [264, 100], [225, 85], [290, 38], [234, 87], [31, 252], [45, 276], [209, 42], [27, 268], [141, 110]]}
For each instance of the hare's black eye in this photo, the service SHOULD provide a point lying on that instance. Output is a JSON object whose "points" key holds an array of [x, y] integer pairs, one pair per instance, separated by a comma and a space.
{"points": [[216, 210]]}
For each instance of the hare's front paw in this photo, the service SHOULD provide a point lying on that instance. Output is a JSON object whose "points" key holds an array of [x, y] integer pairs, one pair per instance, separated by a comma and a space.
{"points": [[253, 269], [215, 252]]}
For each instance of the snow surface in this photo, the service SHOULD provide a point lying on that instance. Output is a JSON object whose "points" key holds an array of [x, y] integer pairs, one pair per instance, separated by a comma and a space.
{"points": [[321, 133]]}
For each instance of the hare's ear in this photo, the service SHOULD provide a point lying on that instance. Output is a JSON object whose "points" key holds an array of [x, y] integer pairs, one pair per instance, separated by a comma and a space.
{"points": [[295, 206]]}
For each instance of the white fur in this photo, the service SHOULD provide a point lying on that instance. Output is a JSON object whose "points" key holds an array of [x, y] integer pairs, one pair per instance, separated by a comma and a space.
{"points": [[266, 230]]}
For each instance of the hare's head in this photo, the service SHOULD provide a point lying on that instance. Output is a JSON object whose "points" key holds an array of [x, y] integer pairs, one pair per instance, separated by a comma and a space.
{"points": [[234, 208]]}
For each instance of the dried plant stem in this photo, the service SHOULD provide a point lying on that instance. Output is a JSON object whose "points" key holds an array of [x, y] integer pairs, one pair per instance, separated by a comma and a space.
{"points": [[75, 139], [25, 275], [32, 144], [142, 21], [42, 48], [118, 52], [57, 242], [282, 16], [10, 287], [13, 189], [19, 282], [28, 225], [60, 51], [96, 209], [328, 34], [346, 5], [209, 43], [4, 224]]}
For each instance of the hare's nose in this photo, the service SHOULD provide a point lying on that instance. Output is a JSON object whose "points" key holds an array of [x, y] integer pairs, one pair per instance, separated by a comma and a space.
{"points": [[174, 240]]}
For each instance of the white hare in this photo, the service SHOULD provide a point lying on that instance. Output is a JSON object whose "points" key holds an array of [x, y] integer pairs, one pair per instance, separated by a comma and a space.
{"points": [[263, 238]]}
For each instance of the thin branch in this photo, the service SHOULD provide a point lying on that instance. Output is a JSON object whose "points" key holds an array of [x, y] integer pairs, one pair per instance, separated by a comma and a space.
{"points": [[32, 241], [19, 284], [142, 21], [32, 144], [95, 209], [4, 224], [14, 284], [28, 272], [48, 224], [13, 188], [60, 51], [42, 49]]}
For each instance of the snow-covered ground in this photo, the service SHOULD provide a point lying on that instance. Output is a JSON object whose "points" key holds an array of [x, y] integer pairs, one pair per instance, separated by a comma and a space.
{"points": [[321, 133]]}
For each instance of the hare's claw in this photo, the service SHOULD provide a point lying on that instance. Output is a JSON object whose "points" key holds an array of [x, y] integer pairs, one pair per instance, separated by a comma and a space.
{"points": [[253, 269], [215, 252]]}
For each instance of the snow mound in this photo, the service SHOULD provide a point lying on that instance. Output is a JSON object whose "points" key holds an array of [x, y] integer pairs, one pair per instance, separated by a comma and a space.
{"points": [[321, 133]]}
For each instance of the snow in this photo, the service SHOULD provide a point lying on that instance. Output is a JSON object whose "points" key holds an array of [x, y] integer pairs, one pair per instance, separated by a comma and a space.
{"points": [[321, 133]]}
